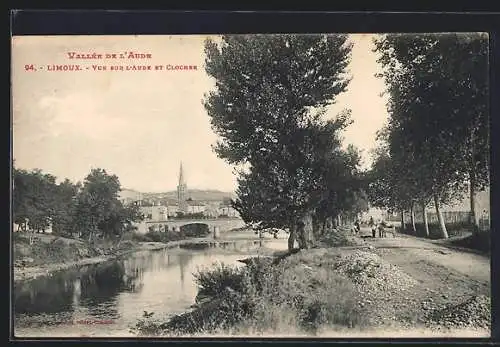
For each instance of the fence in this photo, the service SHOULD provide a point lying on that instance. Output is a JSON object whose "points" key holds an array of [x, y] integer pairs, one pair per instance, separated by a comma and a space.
{"points": [[450, 217]]}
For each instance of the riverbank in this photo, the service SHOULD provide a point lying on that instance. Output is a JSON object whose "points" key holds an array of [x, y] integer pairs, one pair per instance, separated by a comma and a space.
{"points": [[52, 253], [347, 287]]}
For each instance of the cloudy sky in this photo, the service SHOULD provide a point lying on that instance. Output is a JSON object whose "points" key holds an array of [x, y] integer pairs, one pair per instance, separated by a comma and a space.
{"points": [[139, 125]]}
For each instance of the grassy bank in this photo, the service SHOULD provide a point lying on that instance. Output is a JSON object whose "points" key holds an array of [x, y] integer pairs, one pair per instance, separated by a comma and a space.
{"points": [[52, 253], [341, 288], [270, 294]]}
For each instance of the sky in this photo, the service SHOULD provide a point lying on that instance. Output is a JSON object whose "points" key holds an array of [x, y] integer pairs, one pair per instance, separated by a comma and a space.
{"points": [[140, 125]]}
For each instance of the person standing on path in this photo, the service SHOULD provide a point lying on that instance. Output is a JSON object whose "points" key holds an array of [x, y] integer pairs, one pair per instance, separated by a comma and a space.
{"points": [[373, 227], [381, 229], [357, 226]]}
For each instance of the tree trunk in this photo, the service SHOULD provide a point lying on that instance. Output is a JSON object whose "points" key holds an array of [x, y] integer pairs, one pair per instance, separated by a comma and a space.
{"points": [[424, 216], [412, 217], [305, 231], [317, 225], [473, 212], [442, 225], [291, 237], [403, 223], [472, 177], [91, 237]]}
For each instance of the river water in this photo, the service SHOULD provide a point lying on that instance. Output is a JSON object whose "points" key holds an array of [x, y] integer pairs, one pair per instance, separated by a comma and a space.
{"points": [[106, 300]]}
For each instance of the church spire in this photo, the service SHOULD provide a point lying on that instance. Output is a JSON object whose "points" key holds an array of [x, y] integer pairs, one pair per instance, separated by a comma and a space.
{"points": [[182, 191], [181, 176]]}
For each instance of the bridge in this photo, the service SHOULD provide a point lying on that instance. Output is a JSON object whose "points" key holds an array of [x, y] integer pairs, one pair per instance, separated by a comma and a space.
{"points": [[220, 224]]}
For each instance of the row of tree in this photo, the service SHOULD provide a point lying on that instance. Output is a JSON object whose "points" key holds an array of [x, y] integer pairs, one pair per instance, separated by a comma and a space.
{"points": [[90, 208], [268, 108], [436, 142]]}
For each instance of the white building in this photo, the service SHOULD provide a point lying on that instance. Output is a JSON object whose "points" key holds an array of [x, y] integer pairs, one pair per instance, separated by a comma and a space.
{"points": [[154, 213], [172, 210], [228, 211], [195, 207]]}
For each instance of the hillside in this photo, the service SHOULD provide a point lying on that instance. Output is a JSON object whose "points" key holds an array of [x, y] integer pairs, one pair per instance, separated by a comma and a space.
{"points": [[195, 194]]}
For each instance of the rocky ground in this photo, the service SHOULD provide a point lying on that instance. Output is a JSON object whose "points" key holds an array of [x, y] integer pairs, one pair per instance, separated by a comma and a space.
{"points": [[410, 283]]}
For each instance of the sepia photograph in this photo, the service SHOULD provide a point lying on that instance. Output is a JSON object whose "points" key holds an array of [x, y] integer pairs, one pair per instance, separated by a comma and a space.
{"points": [[251, 185]]}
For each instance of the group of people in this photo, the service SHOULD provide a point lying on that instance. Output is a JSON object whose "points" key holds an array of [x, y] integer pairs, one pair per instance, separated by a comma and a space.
{"points": [[380, 227], [375, 227]]}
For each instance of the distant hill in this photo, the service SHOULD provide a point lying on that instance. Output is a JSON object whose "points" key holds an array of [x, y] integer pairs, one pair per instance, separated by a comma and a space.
{"points": [[129, 194], [195, 194]]}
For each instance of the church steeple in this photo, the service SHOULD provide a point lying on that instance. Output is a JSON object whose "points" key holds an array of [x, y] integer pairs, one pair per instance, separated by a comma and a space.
{"points": [[182, 191], [181, 176]]}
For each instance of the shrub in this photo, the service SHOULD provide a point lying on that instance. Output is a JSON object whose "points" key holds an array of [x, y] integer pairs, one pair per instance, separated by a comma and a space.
{"points": [[265, 296], [195, 230], [213, 282]]}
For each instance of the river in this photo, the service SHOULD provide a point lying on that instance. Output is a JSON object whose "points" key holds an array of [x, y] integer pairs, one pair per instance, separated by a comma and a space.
{"points": [[106, 300]]}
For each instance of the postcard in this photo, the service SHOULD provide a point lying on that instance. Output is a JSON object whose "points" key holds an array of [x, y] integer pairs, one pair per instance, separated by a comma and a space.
{"points": [[257, 185]]}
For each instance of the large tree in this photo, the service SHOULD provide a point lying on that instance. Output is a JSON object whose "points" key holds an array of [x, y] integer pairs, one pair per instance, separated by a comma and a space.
{"points": [[98, 209], [270, 94], [324, 185], [65, 200], [33, 199], [437, 110]]}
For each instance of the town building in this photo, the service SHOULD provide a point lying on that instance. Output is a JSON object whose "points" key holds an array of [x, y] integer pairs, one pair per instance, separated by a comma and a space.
{"points": [[162, 207], [228, 211], [154, 213], [195, 207]]}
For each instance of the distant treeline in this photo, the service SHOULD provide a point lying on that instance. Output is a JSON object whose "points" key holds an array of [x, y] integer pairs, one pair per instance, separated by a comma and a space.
{"points": [[89, 209]]}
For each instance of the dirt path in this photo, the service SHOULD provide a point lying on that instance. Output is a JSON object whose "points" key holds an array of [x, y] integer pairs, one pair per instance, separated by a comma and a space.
{"points": [[445, 276], [404, 250]]}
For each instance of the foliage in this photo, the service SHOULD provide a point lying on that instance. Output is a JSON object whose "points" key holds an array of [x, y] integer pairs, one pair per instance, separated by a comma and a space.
{"points": [[185, 232], [264, 297], [266, 87], [90, 208], [214, 281], [267, 108], [34, 199], [437, 135], [64, 210]]}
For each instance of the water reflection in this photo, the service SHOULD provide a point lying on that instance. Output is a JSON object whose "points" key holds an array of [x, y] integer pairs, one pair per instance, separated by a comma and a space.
{"points": [[120, 290], [90, 287]]}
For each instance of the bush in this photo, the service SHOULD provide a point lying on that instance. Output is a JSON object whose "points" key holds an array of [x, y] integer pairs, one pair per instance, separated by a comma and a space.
{"points": [[318, 297], [186, 231], [338, 238], [264, 296], [213, 282], [195, 230]]}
